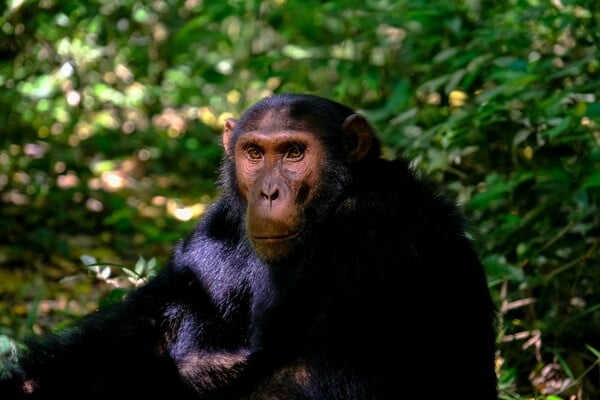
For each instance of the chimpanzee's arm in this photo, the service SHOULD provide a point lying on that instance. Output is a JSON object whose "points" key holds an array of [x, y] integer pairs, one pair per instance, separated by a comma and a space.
{"points": [[122, 351]]}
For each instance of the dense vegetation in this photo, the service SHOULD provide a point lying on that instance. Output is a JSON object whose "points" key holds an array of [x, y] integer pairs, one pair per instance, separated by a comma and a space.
{"points": [[110, 112]]}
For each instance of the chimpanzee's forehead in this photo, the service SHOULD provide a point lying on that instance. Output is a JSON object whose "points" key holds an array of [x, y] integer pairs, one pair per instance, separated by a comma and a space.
{"points": [[281, 120], [285, 119]]}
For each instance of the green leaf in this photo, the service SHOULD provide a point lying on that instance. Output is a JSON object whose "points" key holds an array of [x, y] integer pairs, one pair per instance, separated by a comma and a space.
{"points": [[113, 297], [445, 54], [593, 110], [496, 266], [493, 192], [595, 352], [558, 129], [592, 180], [455, 79], [43, 87], [433, 85], [140, 266]]}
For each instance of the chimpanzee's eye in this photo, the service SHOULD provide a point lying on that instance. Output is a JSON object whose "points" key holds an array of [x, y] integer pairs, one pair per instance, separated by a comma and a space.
{"points": [[296, 151], [253, 153]]}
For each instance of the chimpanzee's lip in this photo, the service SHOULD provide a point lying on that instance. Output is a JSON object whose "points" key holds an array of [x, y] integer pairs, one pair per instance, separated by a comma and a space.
{"points": [[276, 237]]}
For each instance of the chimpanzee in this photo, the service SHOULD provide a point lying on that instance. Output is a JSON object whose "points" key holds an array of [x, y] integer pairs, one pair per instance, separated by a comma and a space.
{"points": [[324, 271]]}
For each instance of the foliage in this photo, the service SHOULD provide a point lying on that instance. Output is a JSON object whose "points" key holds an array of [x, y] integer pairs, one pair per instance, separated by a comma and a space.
{"points": [[110, 112]]}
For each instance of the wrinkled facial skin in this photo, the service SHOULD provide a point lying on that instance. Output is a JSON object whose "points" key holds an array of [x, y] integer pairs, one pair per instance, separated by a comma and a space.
{"points": [[280, 170], [277, 174]]}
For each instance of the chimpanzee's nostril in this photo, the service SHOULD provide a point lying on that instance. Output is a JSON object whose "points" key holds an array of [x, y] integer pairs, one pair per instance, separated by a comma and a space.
{"points": [[270, 195], [270, 192]]}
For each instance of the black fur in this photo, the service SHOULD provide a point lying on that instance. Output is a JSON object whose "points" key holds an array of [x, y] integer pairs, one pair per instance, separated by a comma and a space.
{"points": [[385, 299]]}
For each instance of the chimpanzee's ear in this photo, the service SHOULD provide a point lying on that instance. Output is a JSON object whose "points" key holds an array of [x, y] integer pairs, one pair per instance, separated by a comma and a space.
{"points": [[359, 137], [228, 135]]}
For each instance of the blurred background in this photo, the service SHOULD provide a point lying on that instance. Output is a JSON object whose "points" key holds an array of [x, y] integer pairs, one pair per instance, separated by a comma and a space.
{"points": [[110, 120]]}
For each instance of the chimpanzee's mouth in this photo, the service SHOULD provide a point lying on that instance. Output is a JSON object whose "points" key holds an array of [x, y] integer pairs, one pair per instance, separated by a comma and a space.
{"points": [[275, 238]]}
